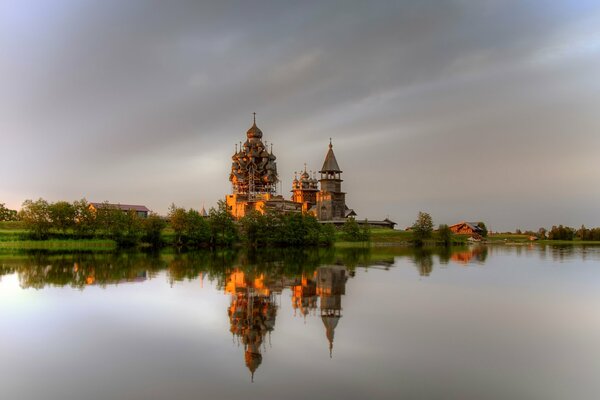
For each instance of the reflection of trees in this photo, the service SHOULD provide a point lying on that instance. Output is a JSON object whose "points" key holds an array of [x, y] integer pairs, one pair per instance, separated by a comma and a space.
{"points": [[444, 255], [79, 270], [562, 252], [423, 259]]}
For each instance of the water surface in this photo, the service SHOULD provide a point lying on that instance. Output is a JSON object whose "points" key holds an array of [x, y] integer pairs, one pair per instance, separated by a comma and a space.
{"points": [[479, 323]]}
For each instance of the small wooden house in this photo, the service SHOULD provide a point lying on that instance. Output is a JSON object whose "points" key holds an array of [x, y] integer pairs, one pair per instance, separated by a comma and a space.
{"points": [[466, 228], [141, 211]]}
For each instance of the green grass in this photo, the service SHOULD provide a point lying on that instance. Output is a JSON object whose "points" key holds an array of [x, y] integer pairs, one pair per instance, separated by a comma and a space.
{"points": [[11, 225], [508, 237], [79, 244], [9, 235], [382, 237]]}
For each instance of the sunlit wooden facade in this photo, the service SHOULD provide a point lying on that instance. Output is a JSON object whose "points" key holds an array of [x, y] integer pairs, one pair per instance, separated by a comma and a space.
{"points": [[254, 182]]}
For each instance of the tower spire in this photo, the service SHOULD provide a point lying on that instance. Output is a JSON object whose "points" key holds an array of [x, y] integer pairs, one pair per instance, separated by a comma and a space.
{"points": [[254, 117]]}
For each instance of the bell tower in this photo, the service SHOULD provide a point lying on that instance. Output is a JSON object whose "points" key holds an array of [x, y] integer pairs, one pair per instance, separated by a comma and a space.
{"points": [[331, 201]]}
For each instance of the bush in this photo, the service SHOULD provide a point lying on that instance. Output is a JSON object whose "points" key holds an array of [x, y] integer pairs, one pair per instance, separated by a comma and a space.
{"points": [[352, 232], [445, 235]]}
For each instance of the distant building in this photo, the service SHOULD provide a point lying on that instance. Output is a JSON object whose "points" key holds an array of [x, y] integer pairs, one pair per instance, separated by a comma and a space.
{"points": [[466, 228], [141, 211]]}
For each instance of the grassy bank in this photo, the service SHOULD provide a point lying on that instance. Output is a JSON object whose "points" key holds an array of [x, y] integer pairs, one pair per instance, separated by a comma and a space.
{"points": [[67, 245], [13, 236], [382, 237], [515, 238]]}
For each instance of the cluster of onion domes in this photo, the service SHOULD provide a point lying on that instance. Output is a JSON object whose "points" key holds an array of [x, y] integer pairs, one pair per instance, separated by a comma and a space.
{"points": [[253, 168], [306, 181]]}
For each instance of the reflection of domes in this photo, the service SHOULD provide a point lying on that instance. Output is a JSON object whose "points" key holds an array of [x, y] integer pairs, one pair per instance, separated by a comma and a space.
{"points": [[253, 360]]}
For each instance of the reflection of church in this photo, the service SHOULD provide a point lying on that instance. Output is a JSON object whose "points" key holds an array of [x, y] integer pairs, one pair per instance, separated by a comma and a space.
{"points": [[254, 181], [251, 314], [253, 305]]}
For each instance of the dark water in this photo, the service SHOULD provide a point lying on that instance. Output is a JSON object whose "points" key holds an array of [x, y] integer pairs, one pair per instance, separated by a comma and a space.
{"points": [[480, 323]]}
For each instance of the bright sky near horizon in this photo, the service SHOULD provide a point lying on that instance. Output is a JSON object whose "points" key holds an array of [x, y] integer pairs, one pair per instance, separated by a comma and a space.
{"points": [[469, 110]]}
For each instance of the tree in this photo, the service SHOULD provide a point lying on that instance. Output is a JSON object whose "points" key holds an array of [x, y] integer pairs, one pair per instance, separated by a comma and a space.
{"points": [[223, 230], [422, 228], [541, 233], [152, 228], [125, 228], [484, 230], [36, 216], [445, 235], [351, 230], [327, 235], [62, 215], [178, 222], [197, 230], [582, 233], [561, 233], [7, 214], [85, 219], [294, 230], [254, 229]]}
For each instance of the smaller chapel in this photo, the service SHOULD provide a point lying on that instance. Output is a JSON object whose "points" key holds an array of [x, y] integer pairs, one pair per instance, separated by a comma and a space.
{"points": [[254, 182]]}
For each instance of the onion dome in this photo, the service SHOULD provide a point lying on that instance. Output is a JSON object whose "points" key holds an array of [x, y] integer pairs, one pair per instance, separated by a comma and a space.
{"points": [[254, 131]]}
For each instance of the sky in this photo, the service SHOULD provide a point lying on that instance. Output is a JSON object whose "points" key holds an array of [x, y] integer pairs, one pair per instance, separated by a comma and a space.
{"points": [[468, 110]]}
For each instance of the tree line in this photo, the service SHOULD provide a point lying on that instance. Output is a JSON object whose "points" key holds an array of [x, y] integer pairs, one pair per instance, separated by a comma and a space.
{"points": [[566, 233], [182, 228], [7, 214]]}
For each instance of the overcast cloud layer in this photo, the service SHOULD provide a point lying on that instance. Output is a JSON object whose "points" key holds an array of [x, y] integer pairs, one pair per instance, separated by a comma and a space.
{"points": [[470, 110]]}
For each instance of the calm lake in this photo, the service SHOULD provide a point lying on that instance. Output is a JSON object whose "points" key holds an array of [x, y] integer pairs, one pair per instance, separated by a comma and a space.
{"points": [[497, 322]]}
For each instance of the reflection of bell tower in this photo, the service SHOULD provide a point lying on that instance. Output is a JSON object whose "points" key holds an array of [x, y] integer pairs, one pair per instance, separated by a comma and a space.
{"points": [[251, 314], [331, 285]]}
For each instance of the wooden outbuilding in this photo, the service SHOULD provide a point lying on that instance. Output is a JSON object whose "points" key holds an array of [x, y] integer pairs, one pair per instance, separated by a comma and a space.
{"points": [[466, 228]]}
